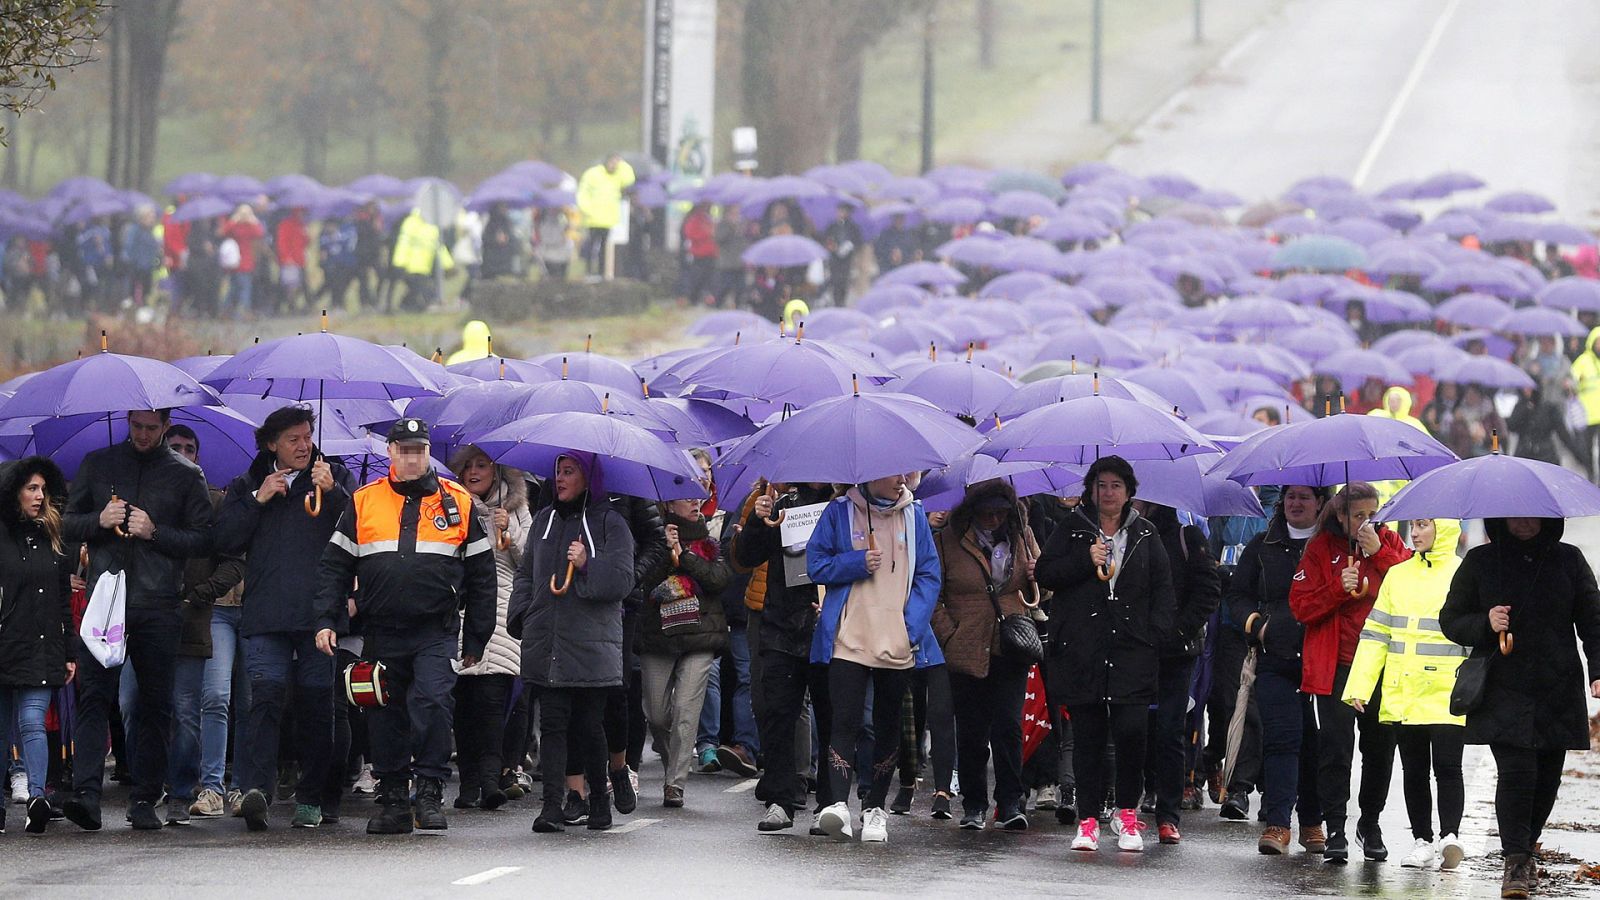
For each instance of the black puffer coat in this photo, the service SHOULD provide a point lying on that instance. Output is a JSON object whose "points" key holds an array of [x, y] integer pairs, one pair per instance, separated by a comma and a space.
{"points": [[789, 616], [1261, 583], [36, 635], [1536, 696], [1105, 644]]}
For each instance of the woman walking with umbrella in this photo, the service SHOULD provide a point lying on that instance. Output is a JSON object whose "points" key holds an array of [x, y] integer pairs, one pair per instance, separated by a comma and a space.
{"points": [[1339, 578], [1526, 583], [566, 607], [1401, 644], [1112, 611], [34, 570], [874, 553], [1258, 596]]}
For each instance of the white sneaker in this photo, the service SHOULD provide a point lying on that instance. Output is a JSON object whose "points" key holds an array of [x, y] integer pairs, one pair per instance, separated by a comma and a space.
{"points": [[365, 783], [874, 826], [1451, 852], [1420, 857], [1126, 826], [19, 787], [835, 820], [1088, 835], [1047, 798]]}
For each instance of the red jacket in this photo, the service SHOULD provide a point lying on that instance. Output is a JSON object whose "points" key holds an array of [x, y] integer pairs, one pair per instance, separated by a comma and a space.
{"points": [[292, 240], [245, 234], [700, 236], [1332, 617]]}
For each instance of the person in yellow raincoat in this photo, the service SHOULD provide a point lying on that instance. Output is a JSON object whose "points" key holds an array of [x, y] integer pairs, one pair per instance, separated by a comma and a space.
{"points": [[1586, 384], [474, 343], [599, 200], [1396, 405], [1401, 643], [416, 249]]}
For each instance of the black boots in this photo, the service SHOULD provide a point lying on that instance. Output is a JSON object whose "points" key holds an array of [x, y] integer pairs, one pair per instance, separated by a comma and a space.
{"points": [[429, 805], [395, 816], [599, 809], [1519, 877], [552, 818], [82, 811]]}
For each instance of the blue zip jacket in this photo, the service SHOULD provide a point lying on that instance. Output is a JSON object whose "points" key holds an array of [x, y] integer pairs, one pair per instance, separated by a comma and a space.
{"points": [[833, 561]]}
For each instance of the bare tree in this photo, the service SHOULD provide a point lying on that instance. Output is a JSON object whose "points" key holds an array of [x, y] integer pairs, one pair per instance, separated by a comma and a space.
{"points": [[140, 33], [40, 39]]}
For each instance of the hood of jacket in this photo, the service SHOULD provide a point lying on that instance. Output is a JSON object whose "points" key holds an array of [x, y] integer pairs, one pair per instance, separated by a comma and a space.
{"points": [[589, 464], [1550, 532], [1447, 536], [858, 499], [962, 516], [14, 475], [1589, 342]]}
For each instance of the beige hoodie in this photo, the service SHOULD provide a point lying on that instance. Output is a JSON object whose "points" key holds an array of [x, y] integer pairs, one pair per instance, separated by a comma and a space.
{"points": [[872, 628]]}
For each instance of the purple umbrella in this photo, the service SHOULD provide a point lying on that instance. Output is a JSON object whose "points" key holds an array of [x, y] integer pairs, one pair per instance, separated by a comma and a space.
{"points": [[1488, 371], [725, 322], [541, 173], [977, 250], [1095, 345], [1405, 340], [1520, 202], [1243, 313], [1185, 485], [1216, 199], [632, 461], [706, 421], [922, 273], [1018, 285], [914, 336], [1236, 386], [106, 384], [202, 208], [1571, 293], [944, 489], [1180, 388], [797, 372], [1492, 487], [881, 298], [1060, 296], [1072, 227], [1031, 255], [1446, 183], [1482, 277], [189, 183], [1412, 261], [1363, 231], [238, 188], [955, 211], [960, 388], [1088, 173], [1537, 321], [1077, 432], [1047, 391], [80, 187], [1509, 229], [1355, 366], [498, 368], [1428, 359], [1125, 291], [835, 322], [908, 189], [1562, 233], [1382, 307], [855, 439], [1473, 310], [783, 250], [1021, 205], [321, 366], [1226, 423], [593, 368], [1334, 450]]}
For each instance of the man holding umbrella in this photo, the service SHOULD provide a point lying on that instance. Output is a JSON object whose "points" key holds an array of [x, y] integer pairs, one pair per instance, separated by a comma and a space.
{"points": [[142, 510], [266, 515], [421, 558]]}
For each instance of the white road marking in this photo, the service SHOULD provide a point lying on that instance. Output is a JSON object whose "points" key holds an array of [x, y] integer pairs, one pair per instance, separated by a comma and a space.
{"points": [[487, 875], [635, 825], [742, 787], [1392, 117]]}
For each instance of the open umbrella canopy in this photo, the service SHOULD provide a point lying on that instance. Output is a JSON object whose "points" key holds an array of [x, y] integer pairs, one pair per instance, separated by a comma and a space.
{"points": [[855, 439], [1571, 293], [1185, 485], [582, 365], [943, 489], [919, 274], [1054, 389], [1180, 388], [783, 250], [1334, 450], [1077, 432], [1488, 371], [1354, 366], [498, 368], [1537, 321], [1323, 253], [960, 388], [1473, 310], [496, 408], [632, 460], [322, 366], [106, 383], [794, 371], [1495, 486], [227, 440]]}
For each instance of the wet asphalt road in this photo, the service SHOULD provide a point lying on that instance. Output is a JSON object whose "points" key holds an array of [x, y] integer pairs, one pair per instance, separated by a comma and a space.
{"points": [[709, 848]]}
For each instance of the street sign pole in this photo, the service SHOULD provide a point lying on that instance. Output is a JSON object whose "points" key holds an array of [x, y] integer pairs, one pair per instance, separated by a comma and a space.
{"points": [[1094, 61]]}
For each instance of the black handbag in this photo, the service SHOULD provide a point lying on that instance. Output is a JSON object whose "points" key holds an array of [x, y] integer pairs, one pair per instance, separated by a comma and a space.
{"points": [[1471, 678], [1019, 637]]}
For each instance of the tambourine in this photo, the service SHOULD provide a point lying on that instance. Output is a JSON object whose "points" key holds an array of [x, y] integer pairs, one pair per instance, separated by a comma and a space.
{"points": [[365, 684]]}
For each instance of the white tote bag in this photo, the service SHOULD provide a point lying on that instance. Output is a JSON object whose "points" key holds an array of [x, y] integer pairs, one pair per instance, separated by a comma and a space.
{"points": [[104, 630]]}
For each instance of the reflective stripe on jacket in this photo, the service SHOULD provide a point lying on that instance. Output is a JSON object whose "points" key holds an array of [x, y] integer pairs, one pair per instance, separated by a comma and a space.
{"points": [[1402, 642]]}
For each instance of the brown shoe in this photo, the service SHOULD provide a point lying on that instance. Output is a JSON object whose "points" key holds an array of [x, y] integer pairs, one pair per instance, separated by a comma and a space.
{"points": [[672, 796], [1313, 838], [1519, 876], [1274, 841]]}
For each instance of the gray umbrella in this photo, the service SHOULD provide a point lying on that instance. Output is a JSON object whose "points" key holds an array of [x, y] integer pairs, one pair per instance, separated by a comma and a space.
{"points": [[1241, 709]]}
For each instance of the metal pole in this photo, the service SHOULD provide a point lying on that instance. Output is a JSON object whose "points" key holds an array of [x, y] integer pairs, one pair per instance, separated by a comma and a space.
{"points": [[1094, 61], [1199, 22], [646, 106], [927, 90]]}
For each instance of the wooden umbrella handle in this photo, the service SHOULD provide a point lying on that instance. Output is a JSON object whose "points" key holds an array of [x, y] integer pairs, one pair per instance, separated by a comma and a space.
{"points": [[777, 519], [313, 503], [1361, 591], [675, 556], [1106, 571], [118, 529], [502, 540], [1506, 643], [1033, 591], [561, 589]]}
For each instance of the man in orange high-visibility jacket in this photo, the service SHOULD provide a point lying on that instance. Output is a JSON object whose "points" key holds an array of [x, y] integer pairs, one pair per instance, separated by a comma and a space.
{"points": [[422, 558]]}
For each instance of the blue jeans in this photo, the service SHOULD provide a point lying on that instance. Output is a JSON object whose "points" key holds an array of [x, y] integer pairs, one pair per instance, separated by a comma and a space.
{"points": [[744, 719], [240, 285], [272, 660], [216, 692], [1288, 745], [27, 706]]}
